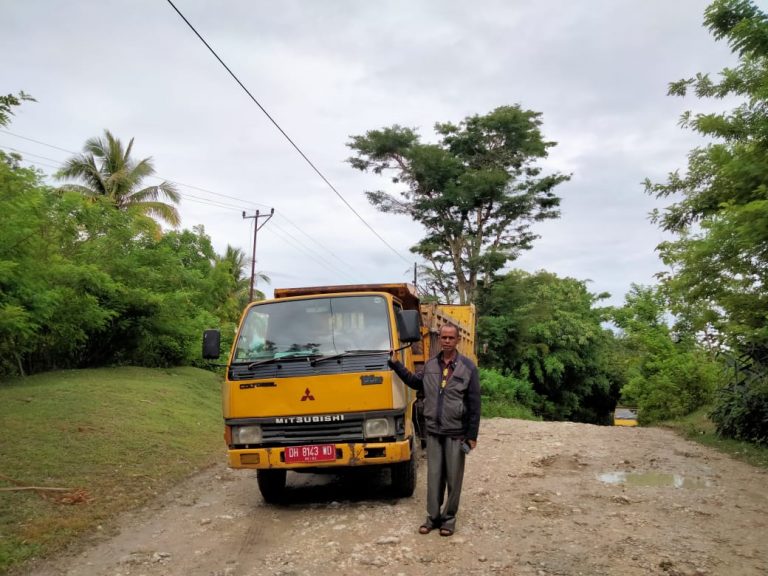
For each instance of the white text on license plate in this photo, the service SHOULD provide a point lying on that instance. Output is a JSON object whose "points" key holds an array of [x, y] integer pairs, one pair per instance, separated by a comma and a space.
{"points": [[318, 453]]}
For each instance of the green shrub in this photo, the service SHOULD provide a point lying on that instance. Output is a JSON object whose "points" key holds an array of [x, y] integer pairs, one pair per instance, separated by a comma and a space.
{"points": [[506, 396], [672, 386], [741, 410]]}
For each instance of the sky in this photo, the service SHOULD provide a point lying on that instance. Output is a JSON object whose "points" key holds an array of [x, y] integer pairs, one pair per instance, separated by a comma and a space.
{"points": [[597, 71]]}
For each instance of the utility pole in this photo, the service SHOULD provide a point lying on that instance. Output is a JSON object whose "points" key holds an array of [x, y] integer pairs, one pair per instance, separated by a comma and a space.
{"points": [[256, 228]]}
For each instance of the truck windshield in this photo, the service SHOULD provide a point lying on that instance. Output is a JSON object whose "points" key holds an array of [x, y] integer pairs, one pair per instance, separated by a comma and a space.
{"points": [[317, 326]]}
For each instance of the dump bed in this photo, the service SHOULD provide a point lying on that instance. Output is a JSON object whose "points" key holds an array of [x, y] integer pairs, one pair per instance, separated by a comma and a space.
{"points": [[433, 316], [406, 293]]}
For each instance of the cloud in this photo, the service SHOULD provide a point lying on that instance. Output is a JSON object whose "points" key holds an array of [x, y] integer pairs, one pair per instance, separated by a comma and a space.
{"points": [[597, 71]]}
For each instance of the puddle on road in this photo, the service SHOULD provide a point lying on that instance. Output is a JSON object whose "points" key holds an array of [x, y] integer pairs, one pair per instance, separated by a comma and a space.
{"points": [[653, 479]]}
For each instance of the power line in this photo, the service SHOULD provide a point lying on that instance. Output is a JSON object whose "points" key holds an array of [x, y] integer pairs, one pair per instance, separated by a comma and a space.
{"points": [[281, 233], [296, 243], [310, 251], [319, 244], [288, 238], [158, 177], [295, 146], [12, 149], [185, 195], [38, 142]]}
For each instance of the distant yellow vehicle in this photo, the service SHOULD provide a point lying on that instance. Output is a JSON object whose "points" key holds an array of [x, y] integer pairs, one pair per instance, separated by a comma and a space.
{"points": [[625, 416]]}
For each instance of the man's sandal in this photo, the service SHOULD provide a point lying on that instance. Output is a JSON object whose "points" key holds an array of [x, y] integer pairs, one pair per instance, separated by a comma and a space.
{"points": [[425, 529], [446, 532]]}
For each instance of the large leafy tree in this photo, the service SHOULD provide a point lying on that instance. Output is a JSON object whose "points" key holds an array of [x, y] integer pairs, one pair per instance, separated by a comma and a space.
{"points": [[719, 259], [547, 330], [476, 192], [105, 168]]}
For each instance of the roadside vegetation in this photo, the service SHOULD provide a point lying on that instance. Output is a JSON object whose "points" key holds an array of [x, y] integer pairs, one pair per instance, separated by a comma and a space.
{"points": [[95, 443], [506, 396], [699, 427], [88, 277]]}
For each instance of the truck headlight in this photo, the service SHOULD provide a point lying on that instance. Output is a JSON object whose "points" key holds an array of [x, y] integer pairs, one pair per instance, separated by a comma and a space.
{"points": [[246, 434], [379, 427]]}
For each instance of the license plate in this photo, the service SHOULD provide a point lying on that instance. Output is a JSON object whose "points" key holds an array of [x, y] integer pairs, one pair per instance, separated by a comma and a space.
{"points": [[317, 453]]}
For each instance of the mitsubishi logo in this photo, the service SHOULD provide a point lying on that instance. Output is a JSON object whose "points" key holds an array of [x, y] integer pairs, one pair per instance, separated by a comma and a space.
{"points": [[307, 395]]}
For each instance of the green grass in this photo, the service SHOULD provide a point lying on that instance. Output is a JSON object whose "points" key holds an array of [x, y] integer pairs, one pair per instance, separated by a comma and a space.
{"points": [[502, 408], [698, 427], [117, 436]]}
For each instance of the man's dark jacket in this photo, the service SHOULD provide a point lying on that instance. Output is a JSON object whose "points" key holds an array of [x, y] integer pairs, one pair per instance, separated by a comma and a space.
{"points": [[454, 411]]}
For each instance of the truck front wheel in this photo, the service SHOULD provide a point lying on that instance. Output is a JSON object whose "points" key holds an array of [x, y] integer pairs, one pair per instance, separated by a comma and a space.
{"points": [[404, 476], [271, 484]]}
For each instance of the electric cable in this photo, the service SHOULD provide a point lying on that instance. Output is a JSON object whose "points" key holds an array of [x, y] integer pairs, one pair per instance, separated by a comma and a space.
{"points": [[159, 177], [198, 200], [288, 138]]}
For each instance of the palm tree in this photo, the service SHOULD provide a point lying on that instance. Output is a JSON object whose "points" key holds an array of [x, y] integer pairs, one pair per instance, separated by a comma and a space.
{"points": [[235, 262], [106, 169]]}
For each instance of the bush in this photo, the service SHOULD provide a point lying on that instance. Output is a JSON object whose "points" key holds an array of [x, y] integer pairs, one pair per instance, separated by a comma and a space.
{"points": [[741, 410], [672, 386], [506, 396]]}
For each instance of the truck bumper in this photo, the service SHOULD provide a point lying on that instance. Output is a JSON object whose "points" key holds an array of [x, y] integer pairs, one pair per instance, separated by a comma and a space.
{"points": [[363, 454]]}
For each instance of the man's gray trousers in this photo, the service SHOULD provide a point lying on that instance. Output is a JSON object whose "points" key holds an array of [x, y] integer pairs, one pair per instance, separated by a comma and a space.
{"points": [[445, 468]]}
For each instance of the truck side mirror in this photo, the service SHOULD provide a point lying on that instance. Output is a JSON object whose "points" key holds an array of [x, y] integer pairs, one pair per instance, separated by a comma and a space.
{"points": [[409, 325], [211, 344]]}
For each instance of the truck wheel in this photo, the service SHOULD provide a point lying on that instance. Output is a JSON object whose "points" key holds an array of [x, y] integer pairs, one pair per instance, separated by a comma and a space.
{"points": [[271, 484], [404, 477]]}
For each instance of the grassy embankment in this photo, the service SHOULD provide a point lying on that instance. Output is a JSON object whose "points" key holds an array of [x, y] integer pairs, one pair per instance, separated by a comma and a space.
{"points": [[113, 438], [699, 428]]}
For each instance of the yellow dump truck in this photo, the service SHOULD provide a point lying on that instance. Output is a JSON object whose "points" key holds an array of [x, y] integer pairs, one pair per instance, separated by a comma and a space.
{"points": [[625, 416], [308, 387]]}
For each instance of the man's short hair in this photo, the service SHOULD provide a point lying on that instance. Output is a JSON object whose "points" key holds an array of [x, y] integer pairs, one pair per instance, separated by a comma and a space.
{"points": [[451, 325]]}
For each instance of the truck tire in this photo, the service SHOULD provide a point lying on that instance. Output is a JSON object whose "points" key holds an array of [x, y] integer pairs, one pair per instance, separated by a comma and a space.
{"points": [[404, 476], [271, 484]]}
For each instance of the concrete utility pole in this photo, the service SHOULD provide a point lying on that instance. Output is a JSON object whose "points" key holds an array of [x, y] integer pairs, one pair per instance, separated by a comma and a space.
{"points": [[256, 228]]}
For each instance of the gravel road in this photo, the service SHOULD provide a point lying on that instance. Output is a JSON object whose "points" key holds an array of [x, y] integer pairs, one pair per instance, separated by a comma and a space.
{"points": [[539, 498]]}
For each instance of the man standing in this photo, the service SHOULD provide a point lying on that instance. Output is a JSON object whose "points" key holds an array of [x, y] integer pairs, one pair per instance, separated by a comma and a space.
{"points": [[451, 390]]}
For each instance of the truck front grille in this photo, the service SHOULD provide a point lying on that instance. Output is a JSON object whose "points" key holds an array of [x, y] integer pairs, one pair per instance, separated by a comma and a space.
{"points": [[314, 433]]}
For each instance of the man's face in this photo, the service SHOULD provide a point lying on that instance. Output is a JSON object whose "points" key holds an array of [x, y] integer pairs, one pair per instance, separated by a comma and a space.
{"points": [[449, 338]]}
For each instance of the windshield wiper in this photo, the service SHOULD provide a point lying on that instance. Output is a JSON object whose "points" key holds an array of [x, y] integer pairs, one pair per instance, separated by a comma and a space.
{"points": [[293, 356], [317, 361]]}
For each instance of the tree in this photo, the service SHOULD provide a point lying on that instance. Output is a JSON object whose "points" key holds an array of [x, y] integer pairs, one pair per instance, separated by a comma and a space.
{"points": [[106, 169], [547, 331], [83, 284], [233, 263], [476, 192], [719, 260], [437, 282], [668, 373], [7, 104]]}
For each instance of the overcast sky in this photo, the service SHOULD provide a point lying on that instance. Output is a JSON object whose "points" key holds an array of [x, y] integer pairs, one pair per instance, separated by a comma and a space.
{"points": [[597, 70]]}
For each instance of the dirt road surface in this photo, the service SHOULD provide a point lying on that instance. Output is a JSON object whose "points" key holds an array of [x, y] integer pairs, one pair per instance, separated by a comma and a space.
{"points": [[539, 498]]}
